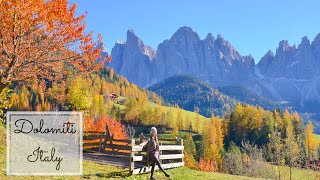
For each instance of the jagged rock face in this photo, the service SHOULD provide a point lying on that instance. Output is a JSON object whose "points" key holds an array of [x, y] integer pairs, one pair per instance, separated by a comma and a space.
{"points": [[212, 60], [293, 74], [292, 62], [103, 51], [132, 59]]}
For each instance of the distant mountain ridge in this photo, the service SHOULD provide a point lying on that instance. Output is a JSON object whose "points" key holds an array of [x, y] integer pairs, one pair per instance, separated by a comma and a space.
{"points": [[290, 76]]}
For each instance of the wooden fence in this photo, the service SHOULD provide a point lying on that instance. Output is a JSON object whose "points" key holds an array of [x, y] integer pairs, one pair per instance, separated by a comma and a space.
{"points": [[168, 153], [94, 141], [171, 150]]}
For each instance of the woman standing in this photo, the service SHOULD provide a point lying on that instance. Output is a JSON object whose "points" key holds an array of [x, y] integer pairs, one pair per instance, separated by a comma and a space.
{"points": [[152, 147]]}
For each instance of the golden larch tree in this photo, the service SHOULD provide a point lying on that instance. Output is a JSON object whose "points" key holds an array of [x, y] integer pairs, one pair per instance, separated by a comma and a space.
{"points": [[310, 141]]}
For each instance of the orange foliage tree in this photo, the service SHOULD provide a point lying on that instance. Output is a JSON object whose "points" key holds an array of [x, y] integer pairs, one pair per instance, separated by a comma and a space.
{"points": [[206, 165], [115, 127], [37, 38]]}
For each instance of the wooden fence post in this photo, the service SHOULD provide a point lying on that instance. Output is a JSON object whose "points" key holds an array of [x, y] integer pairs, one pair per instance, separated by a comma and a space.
{"points": [[141, 138], [181, 144], [100, 143], [111, 139], [106, 137], [105, 142], [131, 164], [160, 152]]}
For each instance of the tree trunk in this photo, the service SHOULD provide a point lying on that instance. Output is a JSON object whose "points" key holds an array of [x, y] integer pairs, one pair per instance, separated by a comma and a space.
{"points": [[279, 172], [290, 173]]}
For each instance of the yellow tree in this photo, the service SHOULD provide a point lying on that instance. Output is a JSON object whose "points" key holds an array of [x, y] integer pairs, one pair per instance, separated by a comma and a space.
{"points": [[291, 145], [196, 127], [212, 131], [219, 133], [79, 94], [212, 142], [310, 141], [278, 119], [180, 119]]}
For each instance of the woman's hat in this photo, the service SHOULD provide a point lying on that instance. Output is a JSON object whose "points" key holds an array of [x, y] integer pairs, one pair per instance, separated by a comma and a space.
{"points": [[153, 129]]}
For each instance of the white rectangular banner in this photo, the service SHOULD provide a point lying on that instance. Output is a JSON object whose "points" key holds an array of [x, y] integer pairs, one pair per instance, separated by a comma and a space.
{"points": [[44, 143]]}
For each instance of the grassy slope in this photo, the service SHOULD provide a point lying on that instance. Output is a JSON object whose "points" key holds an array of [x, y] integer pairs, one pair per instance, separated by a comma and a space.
{"points": [[174, 110], [189, 114], [297, 173]]}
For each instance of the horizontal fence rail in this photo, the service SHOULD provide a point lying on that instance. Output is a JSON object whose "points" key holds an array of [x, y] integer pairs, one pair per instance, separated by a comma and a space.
{"points": [[174, 152]]}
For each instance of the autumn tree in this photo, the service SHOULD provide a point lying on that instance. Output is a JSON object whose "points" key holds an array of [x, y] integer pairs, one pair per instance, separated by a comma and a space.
{"points": [[80, 95], [190, 152], [291, 145], [310, 141], [132, 110], [38, 38], [276, 148], [115, 127], [180, 119], [212, 142], [196, 126]]}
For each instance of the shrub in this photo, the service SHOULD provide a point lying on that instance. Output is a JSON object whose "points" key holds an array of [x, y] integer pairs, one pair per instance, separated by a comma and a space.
{"points": [[247, 161]]}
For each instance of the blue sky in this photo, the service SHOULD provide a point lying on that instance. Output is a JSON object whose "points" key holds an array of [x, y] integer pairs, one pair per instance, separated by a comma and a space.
{"points": [[252, 26]]}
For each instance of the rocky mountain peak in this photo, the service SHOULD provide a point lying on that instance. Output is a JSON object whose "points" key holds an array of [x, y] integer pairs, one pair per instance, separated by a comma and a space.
{"points": [[209, 36], [226, 48], [266, 61], [268, 57], [185, 29], [135, 44], [316, 41], [184, 34], [222, 42], [132, 38], [285, 51], [283, 46], [220, 37], [209, 39], [305, 43], [269, 54]]}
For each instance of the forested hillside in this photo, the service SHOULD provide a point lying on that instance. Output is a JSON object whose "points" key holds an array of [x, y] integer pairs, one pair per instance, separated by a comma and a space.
{"points": [[193, 95], [246, 96]]}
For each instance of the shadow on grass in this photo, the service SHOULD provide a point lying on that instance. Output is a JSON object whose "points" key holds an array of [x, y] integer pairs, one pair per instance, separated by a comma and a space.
{"points": [[119, 174]]}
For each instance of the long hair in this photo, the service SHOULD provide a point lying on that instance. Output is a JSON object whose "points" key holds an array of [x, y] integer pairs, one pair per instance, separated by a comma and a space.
{"points": [[157, 142]]}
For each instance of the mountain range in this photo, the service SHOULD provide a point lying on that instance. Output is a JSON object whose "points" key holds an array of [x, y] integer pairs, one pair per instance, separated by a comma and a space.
{"points": [[290, 76]]}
